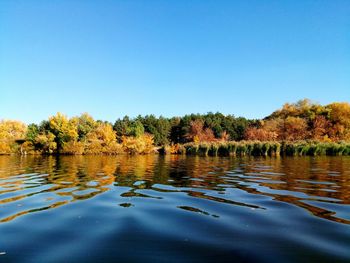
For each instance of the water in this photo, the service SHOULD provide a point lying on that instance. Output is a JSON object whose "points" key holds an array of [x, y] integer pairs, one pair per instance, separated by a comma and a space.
{"points": [[174, 209]]}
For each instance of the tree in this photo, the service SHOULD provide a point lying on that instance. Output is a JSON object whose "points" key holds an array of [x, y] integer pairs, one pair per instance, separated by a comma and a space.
{"points": [[64, 129], [158, 127], [46, 143], [32, 132], [320, 127], [177, 133], [295, 128], [85, 124], [141, 145], [121, 126], [10, 131], [127, 127], [197, 132], [102, 139], [254, 133], [135, 129], [339, 116]]}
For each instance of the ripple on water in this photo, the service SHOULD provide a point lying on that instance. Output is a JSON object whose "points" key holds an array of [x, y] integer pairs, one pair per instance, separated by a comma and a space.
{"points": [[174, 208]]}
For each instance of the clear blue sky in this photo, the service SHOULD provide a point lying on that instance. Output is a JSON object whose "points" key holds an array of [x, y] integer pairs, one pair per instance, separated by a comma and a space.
{"points": [[112, 58]]}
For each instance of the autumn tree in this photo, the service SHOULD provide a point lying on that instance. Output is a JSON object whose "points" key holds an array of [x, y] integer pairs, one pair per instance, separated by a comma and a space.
{"points": [[102, 139], [10, 131], [85, 124], [198, 133], [64, 129], [319, 128], [295, 128], [261, 134], [46, 143], [142, 144], [339, 118]]}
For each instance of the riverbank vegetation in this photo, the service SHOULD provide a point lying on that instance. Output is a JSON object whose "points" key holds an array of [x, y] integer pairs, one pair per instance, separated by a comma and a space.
{"points": [[260, 148], [302, 128]]}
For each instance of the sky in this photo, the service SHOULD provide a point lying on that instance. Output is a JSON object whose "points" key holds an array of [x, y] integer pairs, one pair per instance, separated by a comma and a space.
{"points": [[170, 58]]}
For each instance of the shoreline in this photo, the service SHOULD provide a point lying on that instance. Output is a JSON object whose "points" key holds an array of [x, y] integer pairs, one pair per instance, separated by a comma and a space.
{"points": [[230, 148]]}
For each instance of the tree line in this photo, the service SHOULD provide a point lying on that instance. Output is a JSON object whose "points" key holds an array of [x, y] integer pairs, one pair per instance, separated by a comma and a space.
{"points": [[300, 121], [304, 120]]}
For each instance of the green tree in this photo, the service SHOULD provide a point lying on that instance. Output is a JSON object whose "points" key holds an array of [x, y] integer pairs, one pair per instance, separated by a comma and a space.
{"points": [[32, 132], [85, 124], [158, 127]]}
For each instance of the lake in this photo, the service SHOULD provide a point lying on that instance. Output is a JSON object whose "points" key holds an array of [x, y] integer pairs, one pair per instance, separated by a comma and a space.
{"points": [[174, 209]]}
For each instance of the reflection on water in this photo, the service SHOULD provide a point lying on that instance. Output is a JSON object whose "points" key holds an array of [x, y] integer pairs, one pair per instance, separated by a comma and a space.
{"points": [[55, 181], [206, 187]]}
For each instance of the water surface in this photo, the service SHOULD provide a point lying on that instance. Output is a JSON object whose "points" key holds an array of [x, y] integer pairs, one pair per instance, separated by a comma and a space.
{"points": [[174, 208]]}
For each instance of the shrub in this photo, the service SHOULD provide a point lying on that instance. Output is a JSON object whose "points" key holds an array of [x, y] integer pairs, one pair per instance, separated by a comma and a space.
{"points": [[113, 148], [242, 149], [232, 148], [4, 148], [72, 148], [141, 145]]}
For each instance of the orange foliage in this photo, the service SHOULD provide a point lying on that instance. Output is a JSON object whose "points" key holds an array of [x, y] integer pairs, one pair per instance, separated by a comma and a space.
{"points": [[224, 136], [198, 133], [340, 119], [253, 133], [320, 127], [295, 128]]}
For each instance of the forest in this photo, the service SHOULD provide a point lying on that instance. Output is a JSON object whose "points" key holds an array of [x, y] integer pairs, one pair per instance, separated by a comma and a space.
{"points": [[301, 128]]}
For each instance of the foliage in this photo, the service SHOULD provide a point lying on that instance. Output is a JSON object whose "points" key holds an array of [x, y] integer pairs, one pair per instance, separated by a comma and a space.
{"points": [[304, 120], [301, 128], [85, 124], [127, 127], [10, 131], [142, 145], [158, 127], [46, 143], [73, 147], [197, 132], [32, 132], [102, 139], [64, 129], [267, 148], [261, 134]]}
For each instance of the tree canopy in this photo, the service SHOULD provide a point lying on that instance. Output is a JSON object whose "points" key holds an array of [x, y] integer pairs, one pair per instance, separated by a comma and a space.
{"points": [[303, 120]]}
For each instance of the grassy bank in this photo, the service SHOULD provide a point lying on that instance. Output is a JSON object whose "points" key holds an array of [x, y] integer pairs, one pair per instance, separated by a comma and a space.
{"points": [[224, 148], [257, 148]]}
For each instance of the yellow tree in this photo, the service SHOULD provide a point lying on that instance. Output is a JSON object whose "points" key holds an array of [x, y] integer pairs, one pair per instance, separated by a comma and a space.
{"points": [[142, 144], [65, 130], [46, 142], [10, 131], [340, 118], [274, 128], [102, 139], [85, 124]]}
